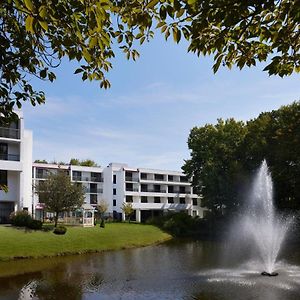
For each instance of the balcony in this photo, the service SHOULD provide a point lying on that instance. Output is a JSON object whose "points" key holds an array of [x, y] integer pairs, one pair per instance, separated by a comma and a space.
{"points": [[10, 133], [94, 191], [131, 179], [153, 191], [132, 189], [12, 157], [82, 178]]}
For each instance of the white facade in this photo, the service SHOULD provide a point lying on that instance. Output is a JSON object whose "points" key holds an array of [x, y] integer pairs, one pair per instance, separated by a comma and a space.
{"points": [[15, 168], [151, 191], [91, 178]]}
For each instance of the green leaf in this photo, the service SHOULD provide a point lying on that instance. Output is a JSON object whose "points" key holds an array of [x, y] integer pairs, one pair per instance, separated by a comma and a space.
{"points": [[152, 3], [44, 25], [29, 24], [29, 5]]}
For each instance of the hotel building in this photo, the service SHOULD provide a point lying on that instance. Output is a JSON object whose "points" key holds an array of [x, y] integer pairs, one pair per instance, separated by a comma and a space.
{"points": [[151, 191], [15, 168]]}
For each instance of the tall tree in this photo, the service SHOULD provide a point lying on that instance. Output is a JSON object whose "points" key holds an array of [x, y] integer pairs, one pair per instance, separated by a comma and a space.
{"points": [[214, 167], [275, 136], [59, 194], [225, 155], [36, 35]]}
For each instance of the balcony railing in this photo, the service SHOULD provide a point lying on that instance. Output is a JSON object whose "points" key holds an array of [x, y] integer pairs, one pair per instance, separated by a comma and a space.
{"points": [[82, 178], [10, 133], [128, 178], [153, 191], [94, 191], [132, 189], [12, 157]]}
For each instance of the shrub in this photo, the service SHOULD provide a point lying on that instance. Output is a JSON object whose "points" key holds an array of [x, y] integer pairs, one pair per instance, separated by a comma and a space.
{"points": [[60, 230], [20, 218], [35, 225], [47, 228]]}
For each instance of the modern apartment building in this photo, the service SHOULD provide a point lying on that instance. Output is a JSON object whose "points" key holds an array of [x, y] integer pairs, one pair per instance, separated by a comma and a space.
{"points": [[151, 191], [15, 168], [91, 178]]}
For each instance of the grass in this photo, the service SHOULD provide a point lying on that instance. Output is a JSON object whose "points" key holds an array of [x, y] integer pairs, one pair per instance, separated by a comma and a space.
{"points": [[20, 243]]}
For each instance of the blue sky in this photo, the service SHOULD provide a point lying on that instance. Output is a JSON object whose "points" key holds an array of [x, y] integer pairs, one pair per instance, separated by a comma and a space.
{"points": [[145, 118]]}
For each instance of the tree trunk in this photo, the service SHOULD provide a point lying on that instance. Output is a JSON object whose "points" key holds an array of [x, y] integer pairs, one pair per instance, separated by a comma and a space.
{"points": [[55, 219]]}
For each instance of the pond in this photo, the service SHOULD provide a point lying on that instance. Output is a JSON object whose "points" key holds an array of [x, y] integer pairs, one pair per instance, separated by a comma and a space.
{"points": [[173, 270]]}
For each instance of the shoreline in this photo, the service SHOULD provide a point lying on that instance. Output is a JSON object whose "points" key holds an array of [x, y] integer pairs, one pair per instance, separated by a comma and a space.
{"points": [[19, 244]]}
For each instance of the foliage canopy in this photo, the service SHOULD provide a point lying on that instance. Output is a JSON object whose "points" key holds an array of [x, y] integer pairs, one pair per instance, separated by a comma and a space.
{"points": [[224, 157], [36, 35], [59, 194]]}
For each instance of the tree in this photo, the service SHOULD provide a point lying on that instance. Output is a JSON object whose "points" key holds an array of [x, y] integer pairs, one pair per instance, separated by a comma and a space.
{"points": [[214, 167], [237, 33], [102, 209], [275, 136], [85, 162], [225, 156], [59, 194], [42, 161], [36, 35], [127, 210]]}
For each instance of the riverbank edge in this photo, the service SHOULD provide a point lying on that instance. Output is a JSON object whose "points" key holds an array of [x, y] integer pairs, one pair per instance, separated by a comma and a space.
{"points": [[85, 251]]}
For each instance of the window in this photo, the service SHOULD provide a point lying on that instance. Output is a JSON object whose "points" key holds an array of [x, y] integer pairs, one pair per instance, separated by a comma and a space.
{"points": [[170, 177], [3, 151], [183, 179], [40, 173], [114, 202], [129, 199], [195, 202], [143, 176], [114, 179], [170, 189], [144, 199], [3, 177], [159, 177], [93, 199], [182, 190], [93, 187], [144, 188], [170, 200], [114, 191], [156, 199], [97, 177], [181, 200], [156, 188], [76, 175]]}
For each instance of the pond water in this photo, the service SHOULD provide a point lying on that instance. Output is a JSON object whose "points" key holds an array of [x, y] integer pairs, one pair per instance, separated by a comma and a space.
{"points": [[174, 270]]}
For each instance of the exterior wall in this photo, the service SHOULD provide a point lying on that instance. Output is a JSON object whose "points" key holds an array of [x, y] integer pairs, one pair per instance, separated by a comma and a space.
{"points": [[17, 162], [131, 189], [78, 174]]}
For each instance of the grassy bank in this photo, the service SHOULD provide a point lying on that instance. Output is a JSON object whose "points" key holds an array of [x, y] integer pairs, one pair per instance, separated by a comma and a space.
{"points": [[19, 243]]}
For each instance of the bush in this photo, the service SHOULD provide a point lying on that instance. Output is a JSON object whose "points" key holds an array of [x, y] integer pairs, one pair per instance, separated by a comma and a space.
{"points": [[20, 218], [35, 225], [47, 228], [60, 230]]}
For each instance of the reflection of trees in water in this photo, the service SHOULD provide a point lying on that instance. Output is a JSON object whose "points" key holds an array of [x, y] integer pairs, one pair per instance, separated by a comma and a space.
{"points": [[66, 281], [67, 285]]}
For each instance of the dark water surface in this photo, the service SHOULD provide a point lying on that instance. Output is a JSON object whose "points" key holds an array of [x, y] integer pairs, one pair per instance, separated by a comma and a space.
{"points": [[174, 270]]}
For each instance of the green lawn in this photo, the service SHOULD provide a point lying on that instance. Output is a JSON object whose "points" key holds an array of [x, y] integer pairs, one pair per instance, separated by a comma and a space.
{"points": [[18, 243]]}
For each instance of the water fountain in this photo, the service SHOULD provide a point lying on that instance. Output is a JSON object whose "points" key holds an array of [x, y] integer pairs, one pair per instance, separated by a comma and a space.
{"points": [[261, 224]]}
